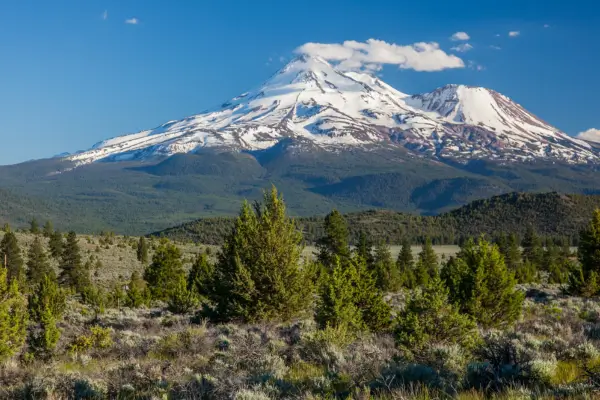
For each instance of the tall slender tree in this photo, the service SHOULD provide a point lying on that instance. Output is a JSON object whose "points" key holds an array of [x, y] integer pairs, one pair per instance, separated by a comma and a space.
{"points": [[72, 271], [38, 265], [56, 245], [335, 240], [142, 250], [387, 276], [48, 229], [163, 274], [406, 265], [10, 257], [13, 316]]}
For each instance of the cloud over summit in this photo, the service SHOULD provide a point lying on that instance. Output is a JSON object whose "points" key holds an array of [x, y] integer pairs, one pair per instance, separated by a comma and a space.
{"points": [[373, 54]]}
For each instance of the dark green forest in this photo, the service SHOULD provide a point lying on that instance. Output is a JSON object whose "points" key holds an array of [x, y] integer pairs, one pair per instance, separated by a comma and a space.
{"points": [[552, 215]]}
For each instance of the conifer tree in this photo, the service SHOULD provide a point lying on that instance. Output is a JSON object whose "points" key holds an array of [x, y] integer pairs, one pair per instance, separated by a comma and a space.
{"points": [[73, 273], [376, 313], [483, 287], [336, 306], [163, 274], [427, 264], [386, 273], [142, 250], [46, 304], [10, 257], [182, 300], [335, 239], [512, 256], [38, 265], [56, 245], [258, 276], [13, 316], [138, 294], [201, 275], [364, 248], [48, 229], [584, 280], [526, 272], [533, 250], [34, 226], [429, 318], [406, 265]]}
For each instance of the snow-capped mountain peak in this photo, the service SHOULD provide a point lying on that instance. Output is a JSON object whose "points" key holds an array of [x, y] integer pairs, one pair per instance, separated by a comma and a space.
{"points": [[311, 100]]}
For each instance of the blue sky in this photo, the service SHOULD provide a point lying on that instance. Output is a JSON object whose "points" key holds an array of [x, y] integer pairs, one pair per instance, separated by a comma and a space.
{"points": [[75, 72]]}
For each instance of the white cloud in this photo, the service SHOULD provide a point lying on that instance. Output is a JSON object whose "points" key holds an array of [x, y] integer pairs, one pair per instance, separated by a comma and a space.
{"points": [[494, 47], [372, 54], [105, 15], [498, 35], [591, 135], [462, 48], [460, 36], [132, 21], [546, 26], [514, 33], [282, 59]]}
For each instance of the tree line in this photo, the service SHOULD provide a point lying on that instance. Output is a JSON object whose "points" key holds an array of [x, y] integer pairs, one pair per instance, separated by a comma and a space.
{"points": [[259, 275]]}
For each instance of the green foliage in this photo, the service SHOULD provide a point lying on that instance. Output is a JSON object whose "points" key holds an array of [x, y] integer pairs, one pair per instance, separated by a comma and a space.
{"points": [[13, 316], [56, 245], [43, 341], [334, 242], [47, 297], [258, 275], [48, 229], [481, 285], [38, 265], [97, 338], [34, 226], [137, 294], [427, 267], [526, 272], [376, 313], [142, 250], [533, 250], [585, 279], [73, 273], [406, 266], [364, 248], [10, 257], [387, 276], [165, 271], [336, 306], [429, 319], [182, 300], [201, 275]]}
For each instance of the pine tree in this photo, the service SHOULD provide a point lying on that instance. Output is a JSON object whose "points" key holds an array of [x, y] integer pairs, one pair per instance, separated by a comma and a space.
{"points": [[138, 294], [200, 277], [482, 286], [406, 265], [512, 256], [10, 257], [13, 316], [364, 248], [56, 245], [73, 273], [386, 273], [258, 275], [142, 250], [376, 313], [427, 264], [526, 272], [182, 300], [336, 306], [532, 247], [34, 227], [46, 304], [429, 319], [38, 265], [335, 240], [584, 280], [48, 229], [163, 274]]}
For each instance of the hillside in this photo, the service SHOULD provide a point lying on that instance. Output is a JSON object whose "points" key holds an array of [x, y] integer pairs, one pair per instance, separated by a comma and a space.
{"points": [[551, 214]]}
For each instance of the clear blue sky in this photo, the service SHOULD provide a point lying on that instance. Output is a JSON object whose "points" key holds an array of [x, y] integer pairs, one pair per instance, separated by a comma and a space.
{"points": [[71, 75]]}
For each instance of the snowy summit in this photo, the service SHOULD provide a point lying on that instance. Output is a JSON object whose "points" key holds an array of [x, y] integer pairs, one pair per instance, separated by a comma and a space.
{"points": [[311, 101]]}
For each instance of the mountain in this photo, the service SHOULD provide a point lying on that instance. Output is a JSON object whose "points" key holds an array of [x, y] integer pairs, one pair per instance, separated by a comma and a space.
{"points": [[313, 104], [550, 214], [326, 138]]}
